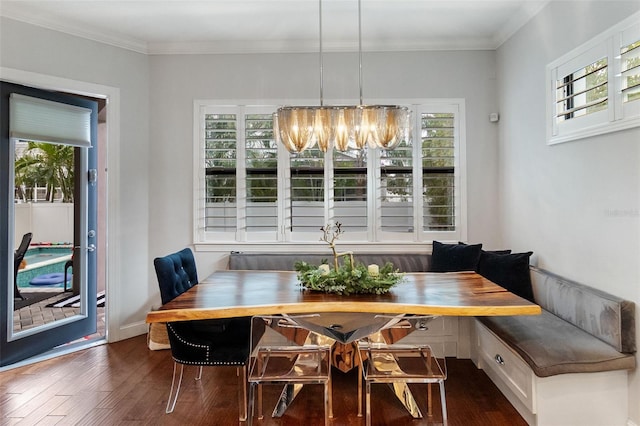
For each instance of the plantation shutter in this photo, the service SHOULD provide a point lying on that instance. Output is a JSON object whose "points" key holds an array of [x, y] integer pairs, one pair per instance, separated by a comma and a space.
{"points": [[438, 167], [630, 71], [220, 156], [350, 191], [583, 91], [252, 190], [396, 186], [261, 165], [307, 191]]}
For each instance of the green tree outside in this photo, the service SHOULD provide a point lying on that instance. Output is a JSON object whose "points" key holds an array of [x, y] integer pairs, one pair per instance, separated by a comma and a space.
{"points": [[48, 165]]}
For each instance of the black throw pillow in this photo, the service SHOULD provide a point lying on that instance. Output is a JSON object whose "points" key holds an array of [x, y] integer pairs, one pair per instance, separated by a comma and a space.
{"points": [[507, 251], [510, 271], [454, 257]]}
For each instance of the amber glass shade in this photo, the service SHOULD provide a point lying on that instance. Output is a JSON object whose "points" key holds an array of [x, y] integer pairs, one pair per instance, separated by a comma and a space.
{"points": [[342, 127]]}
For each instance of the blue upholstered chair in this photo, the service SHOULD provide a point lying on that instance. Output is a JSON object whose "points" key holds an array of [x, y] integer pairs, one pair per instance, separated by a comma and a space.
{"points": [[223, 342]]}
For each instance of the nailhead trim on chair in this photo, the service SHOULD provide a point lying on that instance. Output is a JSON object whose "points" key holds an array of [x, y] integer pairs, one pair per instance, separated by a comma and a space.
{"points": [[200, 347]]}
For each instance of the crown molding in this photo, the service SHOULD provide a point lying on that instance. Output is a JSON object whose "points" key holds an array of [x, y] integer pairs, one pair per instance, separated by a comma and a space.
{"points": [[127, 43], [289, 46]]}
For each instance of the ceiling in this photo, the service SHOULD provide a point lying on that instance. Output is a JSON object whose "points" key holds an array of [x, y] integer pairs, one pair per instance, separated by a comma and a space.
{"points": [[256, 26]]}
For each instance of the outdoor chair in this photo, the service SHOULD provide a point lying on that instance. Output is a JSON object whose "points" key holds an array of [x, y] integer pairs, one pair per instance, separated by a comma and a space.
{"points": [[68, 264], [18, 255], [223, 342]]}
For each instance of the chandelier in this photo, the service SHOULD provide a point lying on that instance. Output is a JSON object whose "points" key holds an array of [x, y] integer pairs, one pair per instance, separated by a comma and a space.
{"points": [[341, 127]]}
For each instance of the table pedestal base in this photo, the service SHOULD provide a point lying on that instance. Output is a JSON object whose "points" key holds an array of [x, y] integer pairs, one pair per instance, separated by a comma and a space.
{"points": [[344, 352]]}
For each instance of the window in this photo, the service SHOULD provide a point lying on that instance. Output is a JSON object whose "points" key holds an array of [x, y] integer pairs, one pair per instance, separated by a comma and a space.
{"points": [[438, 167], [220, 135], [630, 55], [582, 92], [249, 189], [261, 166], [595, 89], [630, 71]]}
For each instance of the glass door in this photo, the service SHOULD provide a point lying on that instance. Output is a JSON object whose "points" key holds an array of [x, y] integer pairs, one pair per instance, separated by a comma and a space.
{"points": [[48, 154]]}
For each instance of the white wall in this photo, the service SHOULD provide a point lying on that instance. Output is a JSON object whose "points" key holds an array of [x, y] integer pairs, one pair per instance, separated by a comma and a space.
{"points": [[48, 222], [32, 49], [577, 204], [152, 190], [176, 80]]}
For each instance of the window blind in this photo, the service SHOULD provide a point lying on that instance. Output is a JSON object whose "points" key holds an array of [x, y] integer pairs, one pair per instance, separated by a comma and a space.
{"points": [[40, 120]]}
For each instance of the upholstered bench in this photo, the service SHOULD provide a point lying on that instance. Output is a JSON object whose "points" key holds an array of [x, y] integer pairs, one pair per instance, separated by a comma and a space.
{"points": [[567, 366], [414, 262]]}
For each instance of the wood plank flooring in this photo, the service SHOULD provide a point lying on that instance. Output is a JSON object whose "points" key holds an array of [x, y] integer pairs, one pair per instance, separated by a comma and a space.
{"points": [[124, 383]]}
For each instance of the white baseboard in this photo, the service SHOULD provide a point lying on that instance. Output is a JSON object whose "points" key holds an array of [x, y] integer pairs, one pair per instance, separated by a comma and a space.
{"points": [[128, 331]]}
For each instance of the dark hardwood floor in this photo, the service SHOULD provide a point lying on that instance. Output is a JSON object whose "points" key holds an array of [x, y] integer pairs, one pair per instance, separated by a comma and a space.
{"points": [[124, 383]]}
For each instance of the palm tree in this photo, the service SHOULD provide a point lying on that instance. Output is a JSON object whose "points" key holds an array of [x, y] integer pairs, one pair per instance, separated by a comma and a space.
{"points": [[49, 165]]}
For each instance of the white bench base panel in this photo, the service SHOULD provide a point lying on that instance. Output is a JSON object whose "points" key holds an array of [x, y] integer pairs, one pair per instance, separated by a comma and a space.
{"points": [[587, 399]]}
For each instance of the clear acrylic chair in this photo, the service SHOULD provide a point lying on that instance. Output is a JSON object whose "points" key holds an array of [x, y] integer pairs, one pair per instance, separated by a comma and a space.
{"points": [[382, 360], [284, 352]]}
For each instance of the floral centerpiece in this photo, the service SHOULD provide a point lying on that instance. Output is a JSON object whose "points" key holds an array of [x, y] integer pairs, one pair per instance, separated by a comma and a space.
{"points": [[348, 278]]}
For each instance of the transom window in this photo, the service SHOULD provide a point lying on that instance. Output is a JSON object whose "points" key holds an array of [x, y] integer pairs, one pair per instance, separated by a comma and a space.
{"points": [[582, 92], [595, 89], [251, 189]]}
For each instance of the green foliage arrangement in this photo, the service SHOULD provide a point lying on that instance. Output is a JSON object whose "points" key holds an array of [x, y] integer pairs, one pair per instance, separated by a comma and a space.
{"points": [[348, 278]]}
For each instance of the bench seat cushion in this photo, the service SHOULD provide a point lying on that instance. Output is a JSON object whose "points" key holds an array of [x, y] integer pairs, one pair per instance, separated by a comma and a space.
{"points": [[553, 346]]}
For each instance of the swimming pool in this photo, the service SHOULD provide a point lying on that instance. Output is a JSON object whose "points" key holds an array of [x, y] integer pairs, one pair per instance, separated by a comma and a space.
{"points": [[43, 260]]}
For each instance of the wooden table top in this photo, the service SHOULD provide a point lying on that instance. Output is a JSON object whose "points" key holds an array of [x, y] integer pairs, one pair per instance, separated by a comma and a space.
{"points": [[226, 294]]}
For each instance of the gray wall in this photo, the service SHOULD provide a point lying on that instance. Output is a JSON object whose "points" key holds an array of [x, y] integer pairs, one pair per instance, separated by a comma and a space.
{"points": [[152, 191], [576, 204], [37, 50], [176, 80]]}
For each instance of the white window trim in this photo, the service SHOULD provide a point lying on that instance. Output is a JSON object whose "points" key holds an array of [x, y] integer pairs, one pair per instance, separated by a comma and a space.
{"points": [[285, 240], [617, 116]]}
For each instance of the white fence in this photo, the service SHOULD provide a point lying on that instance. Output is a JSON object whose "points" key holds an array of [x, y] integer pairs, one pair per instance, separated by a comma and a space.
{"points": [[49, 222]]}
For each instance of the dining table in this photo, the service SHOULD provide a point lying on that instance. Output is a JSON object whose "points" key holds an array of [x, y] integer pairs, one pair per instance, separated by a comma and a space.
{"points": [[344, 318], [239, 293]]}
